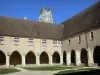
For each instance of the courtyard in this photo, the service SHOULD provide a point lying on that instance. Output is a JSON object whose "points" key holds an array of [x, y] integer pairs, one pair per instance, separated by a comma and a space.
{"points": [[51, 70]]}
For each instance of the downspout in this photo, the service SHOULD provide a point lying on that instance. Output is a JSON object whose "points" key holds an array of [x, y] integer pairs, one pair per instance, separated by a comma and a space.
{"points": [[86, 41]]}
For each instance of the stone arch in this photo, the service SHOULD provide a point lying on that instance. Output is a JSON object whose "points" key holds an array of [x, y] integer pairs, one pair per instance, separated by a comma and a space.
{"points": [[30, 58], [2, 58], [73, 57], [84, 56], [64, 57], [15, 58], [44, 58], [56, 57], [96, 55]]}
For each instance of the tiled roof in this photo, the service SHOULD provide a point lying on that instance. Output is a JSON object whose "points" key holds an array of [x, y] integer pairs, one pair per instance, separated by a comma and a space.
{"points": [[83, 21], [27, 28]]}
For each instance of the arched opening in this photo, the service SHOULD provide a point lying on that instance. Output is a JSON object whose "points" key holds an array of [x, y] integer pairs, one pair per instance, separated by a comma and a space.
{"points": [[56, 57], [15, 58], [84, 57], [64, 58], [2, 58], [73, 60], [44, 59], [30, 58], [96, 55]]}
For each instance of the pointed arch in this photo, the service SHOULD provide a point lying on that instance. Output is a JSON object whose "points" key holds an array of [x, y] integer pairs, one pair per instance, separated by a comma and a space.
{"points": [[15, 58], [30, 58], [84, 57], [64, 57], [44, 58], [73, 57], [2, 58], [96, 55], [56, 57]]}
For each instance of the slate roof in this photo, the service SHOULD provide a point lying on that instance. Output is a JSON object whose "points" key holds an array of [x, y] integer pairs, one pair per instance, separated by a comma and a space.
{"points": [[83, 21], [26, 28]]}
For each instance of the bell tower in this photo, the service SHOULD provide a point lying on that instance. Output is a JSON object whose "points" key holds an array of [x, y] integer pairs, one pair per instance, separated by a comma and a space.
{"points": [[45, 15]]}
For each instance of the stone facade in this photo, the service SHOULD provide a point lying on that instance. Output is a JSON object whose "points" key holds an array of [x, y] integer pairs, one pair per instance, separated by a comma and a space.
{"points": [[23, 47], [85, 43]]}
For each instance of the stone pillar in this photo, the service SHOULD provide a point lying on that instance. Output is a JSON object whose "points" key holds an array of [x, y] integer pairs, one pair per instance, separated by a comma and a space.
{"points": [[50, 59], [78, 62], [38, 59], [61, 58], [90, 57], [68, 58], [8, 59], [23, 60]]}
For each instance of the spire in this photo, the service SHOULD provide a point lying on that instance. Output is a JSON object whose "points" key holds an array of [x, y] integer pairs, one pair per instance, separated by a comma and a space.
{"points": [[43, 6], [25, 18]]}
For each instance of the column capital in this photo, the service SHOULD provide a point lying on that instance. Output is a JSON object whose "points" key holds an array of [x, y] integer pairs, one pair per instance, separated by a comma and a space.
{"points": [[23, 54], [8, 53], [38, 53], [50, 54]]}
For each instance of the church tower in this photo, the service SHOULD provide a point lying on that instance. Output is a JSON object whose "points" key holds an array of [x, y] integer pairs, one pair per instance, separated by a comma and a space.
{"points": [[25, 18], [45, 15]]}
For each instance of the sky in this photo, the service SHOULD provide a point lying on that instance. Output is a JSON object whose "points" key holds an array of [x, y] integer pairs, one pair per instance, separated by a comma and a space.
{"points": [[61, 9]]}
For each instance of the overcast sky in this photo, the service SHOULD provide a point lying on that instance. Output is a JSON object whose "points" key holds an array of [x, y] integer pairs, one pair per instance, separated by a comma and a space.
{"points": [[61, 9]]}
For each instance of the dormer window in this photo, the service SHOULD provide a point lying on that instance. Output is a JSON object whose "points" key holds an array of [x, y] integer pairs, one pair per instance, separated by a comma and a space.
{"points": [[79, 39], [44, 42], [91, 36], [69, 42], [30, 42], [16, 41], [1, 40]]}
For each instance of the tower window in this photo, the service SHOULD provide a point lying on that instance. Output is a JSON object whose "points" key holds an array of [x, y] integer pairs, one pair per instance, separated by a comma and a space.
{"points": [[91, 36], [1, 40], [79, 39]]}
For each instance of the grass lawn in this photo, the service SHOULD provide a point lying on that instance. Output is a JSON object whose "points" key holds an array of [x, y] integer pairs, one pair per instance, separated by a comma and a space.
{"points": [[81, 71], [47, 68], [9, 70]]}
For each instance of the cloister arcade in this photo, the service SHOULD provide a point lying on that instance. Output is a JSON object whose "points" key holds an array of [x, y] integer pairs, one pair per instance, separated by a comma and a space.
{"points": [[15, 57]]}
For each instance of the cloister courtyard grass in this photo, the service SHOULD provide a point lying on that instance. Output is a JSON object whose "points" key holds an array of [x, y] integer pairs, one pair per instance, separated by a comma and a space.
{"points": [[80, 71], [61, 70], [8, 70], [49, 68]]}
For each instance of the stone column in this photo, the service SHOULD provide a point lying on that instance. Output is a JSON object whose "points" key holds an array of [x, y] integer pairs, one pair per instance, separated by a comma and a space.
{"points": [[68, 58], [61, 58], [90, 57], [23, 60], [50, 59], [8, 59], [38, 59], [78, 62]]}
